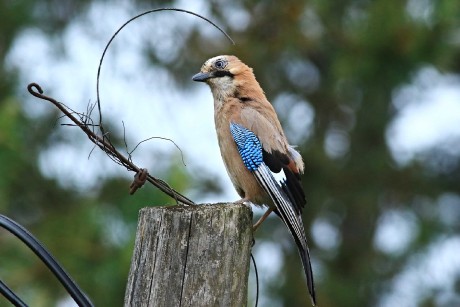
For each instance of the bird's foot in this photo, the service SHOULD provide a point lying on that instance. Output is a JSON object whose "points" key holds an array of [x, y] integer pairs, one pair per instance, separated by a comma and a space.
{"points": [[243, 201]]}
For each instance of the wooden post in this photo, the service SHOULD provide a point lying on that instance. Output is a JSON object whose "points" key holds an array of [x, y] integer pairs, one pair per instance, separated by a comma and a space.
{"points": [[191, 256]]}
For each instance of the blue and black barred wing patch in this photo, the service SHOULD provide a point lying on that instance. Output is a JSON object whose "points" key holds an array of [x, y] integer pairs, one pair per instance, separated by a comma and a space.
{"points": [[273, 180], [248, 145], [253, 156]]}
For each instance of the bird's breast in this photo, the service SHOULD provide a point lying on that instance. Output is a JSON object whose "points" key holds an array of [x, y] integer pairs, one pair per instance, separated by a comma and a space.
{"points": [[243, 180]]}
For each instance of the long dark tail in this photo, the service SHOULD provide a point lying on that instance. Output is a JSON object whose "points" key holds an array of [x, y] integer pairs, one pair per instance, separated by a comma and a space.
{"points": [[291, 218], [306, 263]]}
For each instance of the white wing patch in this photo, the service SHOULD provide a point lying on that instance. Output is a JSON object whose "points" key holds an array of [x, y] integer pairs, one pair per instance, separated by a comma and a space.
{"points": [[280, 177]]}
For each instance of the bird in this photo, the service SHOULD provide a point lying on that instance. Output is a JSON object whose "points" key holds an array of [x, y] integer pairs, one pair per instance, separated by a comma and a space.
{"points": [[264, 169]]}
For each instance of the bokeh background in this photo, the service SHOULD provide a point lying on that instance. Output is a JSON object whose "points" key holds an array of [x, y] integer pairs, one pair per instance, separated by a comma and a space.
{"points": [[368, 90]]}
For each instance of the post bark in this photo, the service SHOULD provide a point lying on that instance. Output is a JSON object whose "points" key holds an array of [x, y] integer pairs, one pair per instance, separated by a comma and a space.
{"points": [[191, 256]]}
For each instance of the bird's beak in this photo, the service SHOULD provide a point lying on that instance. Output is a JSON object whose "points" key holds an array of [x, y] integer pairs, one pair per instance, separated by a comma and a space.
{"points": [[201, 77]]}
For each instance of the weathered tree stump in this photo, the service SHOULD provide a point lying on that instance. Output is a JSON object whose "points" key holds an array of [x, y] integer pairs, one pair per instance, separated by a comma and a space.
{"points": [[191, 256]]}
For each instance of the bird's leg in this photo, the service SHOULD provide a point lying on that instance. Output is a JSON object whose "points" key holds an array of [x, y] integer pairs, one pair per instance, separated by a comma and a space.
{"points": [[262, 218]]}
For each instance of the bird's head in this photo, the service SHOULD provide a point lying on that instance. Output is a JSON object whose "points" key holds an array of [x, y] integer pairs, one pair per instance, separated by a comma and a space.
{"points": [[226, 75], [220, 69]]}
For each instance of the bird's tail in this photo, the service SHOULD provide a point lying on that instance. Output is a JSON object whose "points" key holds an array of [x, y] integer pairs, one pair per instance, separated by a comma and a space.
{"points": [[304, 253], [306, 263], [291, 218]]}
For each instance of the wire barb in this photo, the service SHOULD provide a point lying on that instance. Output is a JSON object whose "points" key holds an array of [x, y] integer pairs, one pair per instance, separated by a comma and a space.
{"points": [[139, 180]]}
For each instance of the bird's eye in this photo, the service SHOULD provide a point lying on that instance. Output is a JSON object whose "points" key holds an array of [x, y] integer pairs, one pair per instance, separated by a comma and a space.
{"points": [[220, 64]]}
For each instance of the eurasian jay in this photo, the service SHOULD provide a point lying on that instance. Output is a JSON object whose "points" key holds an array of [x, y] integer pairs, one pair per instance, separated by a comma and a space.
{"points": [[262, 166]]}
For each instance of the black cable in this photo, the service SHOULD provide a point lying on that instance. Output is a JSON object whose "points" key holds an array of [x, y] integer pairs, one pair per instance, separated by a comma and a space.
{"points": [[11, 296], [257, 279], [25, 236]]}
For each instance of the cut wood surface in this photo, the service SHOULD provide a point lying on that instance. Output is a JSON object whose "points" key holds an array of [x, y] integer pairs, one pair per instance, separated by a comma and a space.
{"points": [[191, 256]]}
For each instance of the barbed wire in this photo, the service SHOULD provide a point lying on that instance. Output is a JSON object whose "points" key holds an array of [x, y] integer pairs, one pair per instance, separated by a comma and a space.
{"points": [[85, 123]]}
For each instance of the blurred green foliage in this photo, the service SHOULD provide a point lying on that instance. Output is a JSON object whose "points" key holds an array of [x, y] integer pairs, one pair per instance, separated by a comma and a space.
{"points": [[344, 58]]}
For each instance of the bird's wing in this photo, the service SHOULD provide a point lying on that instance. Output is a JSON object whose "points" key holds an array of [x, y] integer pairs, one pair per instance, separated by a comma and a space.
{"points": [[273, 174], [278, 156]]}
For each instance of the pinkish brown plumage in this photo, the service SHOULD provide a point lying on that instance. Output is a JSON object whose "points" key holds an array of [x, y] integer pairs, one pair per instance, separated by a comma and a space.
{"points": [[262, 166]]}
